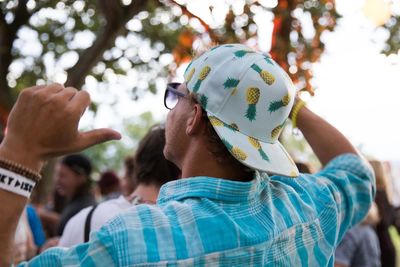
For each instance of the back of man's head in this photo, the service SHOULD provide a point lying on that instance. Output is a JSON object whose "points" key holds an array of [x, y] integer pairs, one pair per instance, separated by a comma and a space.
{"points": [[151, 167], [247, 98]]}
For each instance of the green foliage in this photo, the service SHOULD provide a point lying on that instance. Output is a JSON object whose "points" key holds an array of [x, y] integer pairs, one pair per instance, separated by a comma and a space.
{"points": [[111, 155], [393, 42], [298, 147], [60, 28]]}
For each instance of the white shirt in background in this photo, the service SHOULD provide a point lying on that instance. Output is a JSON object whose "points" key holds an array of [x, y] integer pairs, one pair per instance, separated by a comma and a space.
{"points": [[73, 233]]}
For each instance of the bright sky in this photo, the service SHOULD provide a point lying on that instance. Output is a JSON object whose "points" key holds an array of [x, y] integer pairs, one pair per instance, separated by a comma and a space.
{"points": [[358, 88]]}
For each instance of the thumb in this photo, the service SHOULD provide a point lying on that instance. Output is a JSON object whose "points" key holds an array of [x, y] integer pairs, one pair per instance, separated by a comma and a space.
{"points": [[97, 136]]}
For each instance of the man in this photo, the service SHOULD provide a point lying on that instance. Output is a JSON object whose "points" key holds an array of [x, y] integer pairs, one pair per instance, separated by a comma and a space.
{"points": [[152, 170], [222, 132]]}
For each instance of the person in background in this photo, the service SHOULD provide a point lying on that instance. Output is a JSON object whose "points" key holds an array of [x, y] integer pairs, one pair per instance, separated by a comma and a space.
{"points": [[128, 180], [152, 170], [386, 213], [108, 185], [360, 245], [49, 213], [73, 182], [36, 226], [24, 246]]}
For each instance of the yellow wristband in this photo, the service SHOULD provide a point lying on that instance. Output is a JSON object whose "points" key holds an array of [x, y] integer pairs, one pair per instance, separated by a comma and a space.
{"points": [[295, 111]]}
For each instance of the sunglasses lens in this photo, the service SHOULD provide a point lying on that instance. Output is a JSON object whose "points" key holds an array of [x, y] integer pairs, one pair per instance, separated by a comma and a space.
{"points": [[170, 99]]}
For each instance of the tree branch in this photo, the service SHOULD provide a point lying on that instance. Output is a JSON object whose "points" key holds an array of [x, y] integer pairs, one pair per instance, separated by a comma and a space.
{"points": [[104, 41], [213, 35], [21, 17]]}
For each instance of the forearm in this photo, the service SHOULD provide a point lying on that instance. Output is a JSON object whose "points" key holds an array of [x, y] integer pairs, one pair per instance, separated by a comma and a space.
{"points": [[10, 210], [325, 140]]}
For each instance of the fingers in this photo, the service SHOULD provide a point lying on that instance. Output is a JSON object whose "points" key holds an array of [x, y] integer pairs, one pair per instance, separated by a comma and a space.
{"points": [[94, 137], [35, 88], [47, 89], [80, 102], [66, 94], [44, 89]]}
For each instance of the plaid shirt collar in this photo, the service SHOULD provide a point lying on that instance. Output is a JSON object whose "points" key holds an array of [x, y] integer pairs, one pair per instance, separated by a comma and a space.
{"points": [[212, 188]]}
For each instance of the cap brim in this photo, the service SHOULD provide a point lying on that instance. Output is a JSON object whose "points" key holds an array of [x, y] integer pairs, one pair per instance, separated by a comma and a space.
{"points": [[267, 157]]}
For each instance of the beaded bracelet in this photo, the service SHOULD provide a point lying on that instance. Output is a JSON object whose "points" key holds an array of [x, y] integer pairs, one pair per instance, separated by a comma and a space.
{"points": [[19, 169], [295, 111]]}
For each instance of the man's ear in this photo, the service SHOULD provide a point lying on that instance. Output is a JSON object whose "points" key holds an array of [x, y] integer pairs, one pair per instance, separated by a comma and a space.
{"points": [[195, 123]]}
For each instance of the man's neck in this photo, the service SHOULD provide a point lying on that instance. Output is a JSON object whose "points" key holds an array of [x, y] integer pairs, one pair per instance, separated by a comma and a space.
{"points": [[203, 163]]}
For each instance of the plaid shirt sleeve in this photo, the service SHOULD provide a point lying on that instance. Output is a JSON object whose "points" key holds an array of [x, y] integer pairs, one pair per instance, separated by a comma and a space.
{"points": [[98, 252], [351, 182]]}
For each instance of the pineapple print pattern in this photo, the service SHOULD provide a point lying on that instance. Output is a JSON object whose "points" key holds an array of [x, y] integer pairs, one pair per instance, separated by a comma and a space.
{"points": [[233, 126], [231, 83], [234, 91], [275, 105], [203, 101], [277, 130], [236, 152], [188, 67], [203, 74], [218, 123], [268, 59], [215, 121], [242, 53], [189, 76], [256, 144], [252, 97], [265, 75]]}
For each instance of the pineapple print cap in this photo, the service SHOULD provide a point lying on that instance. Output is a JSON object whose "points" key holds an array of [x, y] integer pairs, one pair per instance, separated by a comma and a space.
{"points": [[248, 98]]}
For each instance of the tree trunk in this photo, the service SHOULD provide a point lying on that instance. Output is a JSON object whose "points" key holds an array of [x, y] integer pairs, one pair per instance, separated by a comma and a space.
{"points": [[6, 99], [116, 16]]}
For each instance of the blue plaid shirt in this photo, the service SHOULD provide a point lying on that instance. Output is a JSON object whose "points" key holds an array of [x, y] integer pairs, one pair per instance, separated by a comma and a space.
{"points": [[205, 221]]}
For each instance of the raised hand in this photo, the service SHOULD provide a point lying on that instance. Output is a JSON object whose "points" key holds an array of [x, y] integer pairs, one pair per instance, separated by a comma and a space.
{"points": [[44, 123]]}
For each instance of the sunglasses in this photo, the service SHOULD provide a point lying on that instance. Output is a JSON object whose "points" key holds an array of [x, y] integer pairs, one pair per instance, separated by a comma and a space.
{"points": [[172, 95]]}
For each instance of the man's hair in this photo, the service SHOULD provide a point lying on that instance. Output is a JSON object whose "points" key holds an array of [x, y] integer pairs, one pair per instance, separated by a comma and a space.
{"points": [[151, 167], [215, 145], [217, 148]]}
